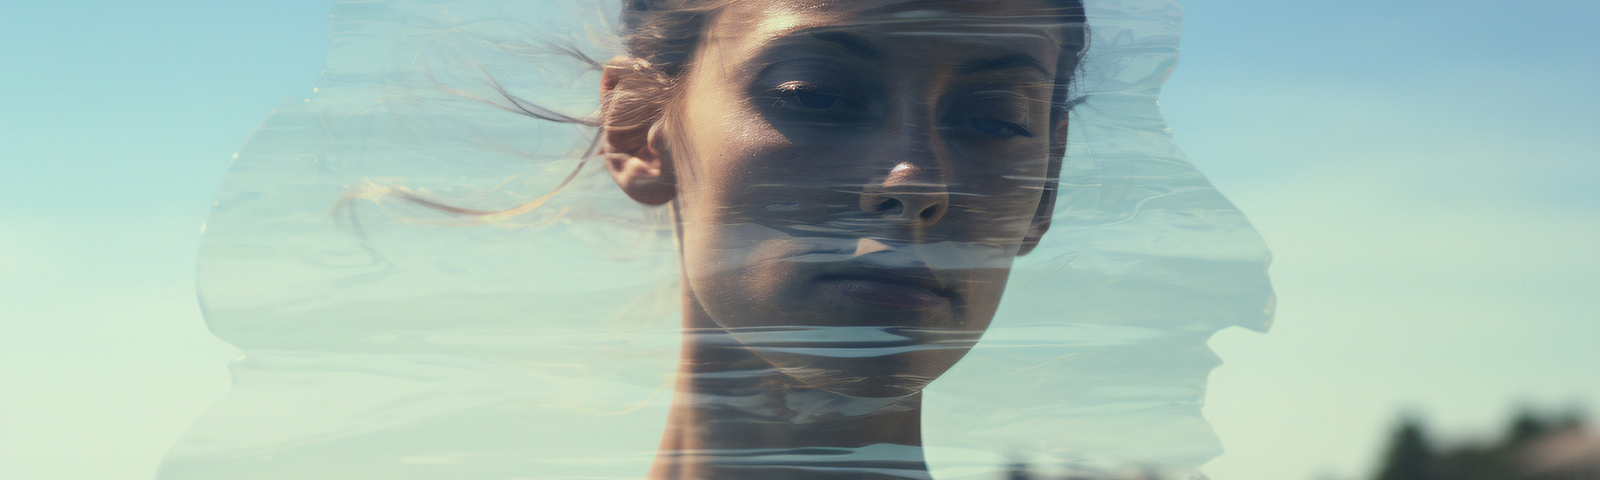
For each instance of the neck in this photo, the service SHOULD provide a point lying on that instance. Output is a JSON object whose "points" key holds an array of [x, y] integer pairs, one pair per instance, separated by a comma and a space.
{"points": [[735, 416]]}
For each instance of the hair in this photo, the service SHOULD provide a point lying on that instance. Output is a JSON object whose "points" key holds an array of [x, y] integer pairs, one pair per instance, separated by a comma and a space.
{"points": [[661, 38]]}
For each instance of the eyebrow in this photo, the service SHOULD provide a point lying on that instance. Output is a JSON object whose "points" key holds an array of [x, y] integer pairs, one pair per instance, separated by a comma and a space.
{"points": [[864, 48], [856, 44], [1020, 60], [850, 41]]}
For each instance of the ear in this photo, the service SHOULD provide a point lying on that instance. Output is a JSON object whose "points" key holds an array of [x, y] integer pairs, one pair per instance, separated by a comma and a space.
{"points": [[631, 137], [1047, 199], [640, 169]]}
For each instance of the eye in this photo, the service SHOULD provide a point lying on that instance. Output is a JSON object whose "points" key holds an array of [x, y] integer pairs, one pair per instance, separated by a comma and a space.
{"points": [[992, 113], [998, 128], [804, 96]]}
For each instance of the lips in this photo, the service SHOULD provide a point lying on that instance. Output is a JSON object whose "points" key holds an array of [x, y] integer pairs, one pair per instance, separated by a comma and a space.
{"points": [[915, 289]]}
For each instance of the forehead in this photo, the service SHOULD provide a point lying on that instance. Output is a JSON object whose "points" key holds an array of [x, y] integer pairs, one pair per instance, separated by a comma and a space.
{"points": [[1031, 25]]}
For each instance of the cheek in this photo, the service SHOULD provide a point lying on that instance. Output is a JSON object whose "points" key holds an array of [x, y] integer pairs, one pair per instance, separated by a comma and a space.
{"points": [[725, 199], [714, 264], [762, 180], [720, 151], [748, 275], [997, 219], [998, 212], [985, 287]]}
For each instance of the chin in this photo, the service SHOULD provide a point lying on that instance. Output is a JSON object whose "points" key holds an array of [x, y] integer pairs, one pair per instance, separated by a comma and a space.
{"points": [[866, 374]]}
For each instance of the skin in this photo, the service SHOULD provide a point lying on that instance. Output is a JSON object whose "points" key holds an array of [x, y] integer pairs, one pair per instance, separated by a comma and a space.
{"points": [[851, 183]]}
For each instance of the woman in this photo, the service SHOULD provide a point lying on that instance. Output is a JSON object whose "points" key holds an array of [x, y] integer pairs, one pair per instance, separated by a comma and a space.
{"points": [[834, 196], [858, 171]]}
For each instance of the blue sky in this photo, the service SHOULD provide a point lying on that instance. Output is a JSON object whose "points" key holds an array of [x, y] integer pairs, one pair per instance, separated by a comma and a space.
{"points": [[119, 120], [1424, 171]]}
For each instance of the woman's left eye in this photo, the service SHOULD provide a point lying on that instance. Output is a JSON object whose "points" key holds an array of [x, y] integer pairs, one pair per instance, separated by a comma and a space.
{"points": [[805, 99], [998, 128]]}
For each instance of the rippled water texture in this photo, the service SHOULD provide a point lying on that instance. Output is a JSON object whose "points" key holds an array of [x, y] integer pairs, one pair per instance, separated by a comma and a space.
{"points": [[386, 338]]}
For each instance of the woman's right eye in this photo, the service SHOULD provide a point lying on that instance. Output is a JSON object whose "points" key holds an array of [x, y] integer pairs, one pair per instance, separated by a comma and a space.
{"points": [[805, 97]]}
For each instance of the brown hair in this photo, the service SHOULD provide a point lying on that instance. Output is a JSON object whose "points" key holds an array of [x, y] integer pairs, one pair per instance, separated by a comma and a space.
{"points": [[661, 36]]}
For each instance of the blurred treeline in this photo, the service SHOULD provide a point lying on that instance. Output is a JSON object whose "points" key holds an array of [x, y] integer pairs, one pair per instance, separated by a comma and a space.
{"points": [[1535, 446]]}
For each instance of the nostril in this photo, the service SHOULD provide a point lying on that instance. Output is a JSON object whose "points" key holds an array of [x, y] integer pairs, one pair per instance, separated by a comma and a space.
{"points": [[889, 204], [933, 213]]}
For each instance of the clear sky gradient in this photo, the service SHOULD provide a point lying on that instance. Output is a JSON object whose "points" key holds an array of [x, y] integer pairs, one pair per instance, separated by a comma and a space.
{"points": [[1426, 173]]}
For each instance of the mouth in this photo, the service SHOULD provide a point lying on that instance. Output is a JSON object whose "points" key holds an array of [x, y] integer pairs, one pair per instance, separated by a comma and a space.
{"points": [[900, 288]]}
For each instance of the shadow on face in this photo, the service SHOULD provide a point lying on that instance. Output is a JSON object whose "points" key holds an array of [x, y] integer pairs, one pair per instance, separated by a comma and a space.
{"points": [[853, 180]]}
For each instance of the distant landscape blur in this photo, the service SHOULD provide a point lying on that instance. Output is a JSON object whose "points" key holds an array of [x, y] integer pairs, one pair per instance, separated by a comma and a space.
{"points": [[1536, 446]]}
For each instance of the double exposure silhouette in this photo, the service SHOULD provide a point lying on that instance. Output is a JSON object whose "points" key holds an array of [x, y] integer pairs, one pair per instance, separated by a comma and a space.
{"points": [[682, 239]]}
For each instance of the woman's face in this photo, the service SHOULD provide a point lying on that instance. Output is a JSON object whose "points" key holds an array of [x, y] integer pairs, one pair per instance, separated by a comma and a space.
{"points": [[873, 164]]}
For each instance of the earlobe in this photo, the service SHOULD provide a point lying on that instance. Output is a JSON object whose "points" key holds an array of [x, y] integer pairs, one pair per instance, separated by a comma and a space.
{"points": [[643, 172]]}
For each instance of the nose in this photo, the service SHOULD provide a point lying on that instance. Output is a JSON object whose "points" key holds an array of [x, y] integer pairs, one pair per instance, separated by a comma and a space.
{"points": [[907, 196]]}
